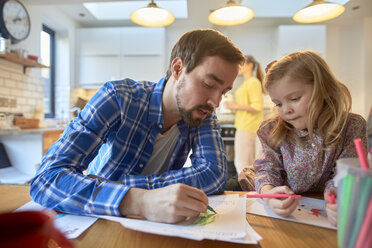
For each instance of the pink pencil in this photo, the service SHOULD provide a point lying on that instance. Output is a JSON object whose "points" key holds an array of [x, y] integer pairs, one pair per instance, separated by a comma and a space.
{"points": [[331, 198], [271, 195], [361, 153]]}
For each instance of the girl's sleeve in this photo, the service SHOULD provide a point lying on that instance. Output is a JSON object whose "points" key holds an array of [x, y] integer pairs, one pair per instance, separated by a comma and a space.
{"points": [[269, 168], [356, 128]]}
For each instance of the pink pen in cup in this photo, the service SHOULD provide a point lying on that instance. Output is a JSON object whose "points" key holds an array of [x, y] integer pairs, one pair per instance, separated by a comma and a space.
{"points": [[331, 198]]}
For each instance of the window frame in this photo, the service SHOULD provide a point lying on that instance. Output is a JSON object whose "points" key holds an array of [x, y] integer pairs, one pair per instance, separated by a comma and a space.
{"points": [[52, 106]]}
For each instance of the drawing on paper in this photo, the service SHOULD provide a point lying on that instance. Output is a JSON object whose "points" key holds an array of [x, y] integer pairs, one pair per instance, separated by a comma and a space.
{"points": [[310, 211], [205, 218]]}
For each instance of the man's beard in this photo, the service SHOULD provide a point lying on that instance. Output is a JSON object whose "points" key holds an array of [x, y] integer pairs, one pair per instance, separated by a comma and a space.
{"points": [[186, 115]]}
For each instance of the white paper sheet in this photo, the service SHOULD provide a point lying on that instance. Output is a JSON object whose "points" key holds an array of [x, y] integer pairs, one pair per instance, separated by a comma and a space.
{"points": [[70, 225], [309, 211], [228, 225]]}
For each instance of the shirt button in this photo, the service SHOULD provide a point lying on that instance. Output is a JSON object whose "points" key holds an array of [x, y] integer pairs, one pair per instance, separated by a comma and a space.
{"points": [[160, 126], [141, 165]]}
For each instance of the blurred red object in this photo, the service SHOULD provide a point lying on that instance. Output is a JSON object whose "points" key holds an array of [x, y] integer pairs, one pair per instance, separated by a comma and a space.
{"points": [[33, 57], [30, 229]]}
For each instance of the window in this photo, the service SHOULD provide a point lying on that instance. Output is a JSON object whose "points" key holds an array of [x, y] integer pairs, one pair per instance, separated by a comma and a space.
{"points": [[47, 43]]}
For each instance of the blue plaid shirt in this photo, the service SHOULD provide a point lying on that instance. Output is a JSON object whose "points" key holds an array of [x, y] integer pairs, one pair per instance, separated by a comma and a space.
{"points": [[113, 138]]}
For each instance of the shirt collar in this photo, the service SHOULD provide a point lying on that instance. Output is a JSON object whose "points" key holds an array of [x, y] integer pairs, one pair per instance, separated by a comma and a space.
{"points": [[301, 133], [155, 108]]}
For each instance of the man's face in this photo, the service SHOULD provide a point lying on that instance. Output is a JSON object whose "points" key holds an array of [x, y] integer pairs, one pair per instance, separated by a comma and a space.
{"points": [[200, 91]]}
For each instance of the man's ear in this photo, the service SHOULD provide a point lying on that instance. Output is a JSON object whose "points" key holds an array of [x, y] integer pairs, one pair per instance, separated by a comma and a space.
{"points": [[176, 67]]}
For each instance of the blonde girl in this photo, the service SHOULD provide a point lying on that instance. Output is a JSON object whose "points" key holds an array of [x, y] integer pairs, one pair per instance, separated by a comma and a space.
{"points": [[312, 129]]}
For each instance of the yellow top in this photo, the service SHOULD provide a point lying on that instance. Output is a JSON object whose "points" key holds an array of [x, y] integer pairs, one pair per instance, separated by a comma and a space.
{"points": [[249, 93]]}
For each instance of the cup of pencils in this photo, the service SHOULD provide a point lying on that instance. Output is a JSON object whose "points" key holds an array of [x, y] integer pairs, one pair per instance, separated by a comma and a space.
{"points": [[354, 190]]}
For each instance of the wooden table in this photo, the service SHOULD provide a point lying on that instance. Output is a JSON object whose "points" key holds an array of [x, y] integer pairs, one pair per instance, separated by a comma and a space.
{"points": [[105, 233]]}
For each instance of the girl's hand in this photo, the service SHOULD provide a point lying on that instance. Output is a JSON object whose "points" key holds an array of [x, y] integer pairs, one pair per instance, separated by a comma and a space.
{"points": [[283, 207], [331, 208]]}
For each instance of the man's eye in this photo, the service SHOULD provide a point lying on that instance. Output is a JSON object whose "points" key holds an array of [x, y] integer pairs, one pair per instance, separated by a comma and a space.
{"points": [[207, 85]]}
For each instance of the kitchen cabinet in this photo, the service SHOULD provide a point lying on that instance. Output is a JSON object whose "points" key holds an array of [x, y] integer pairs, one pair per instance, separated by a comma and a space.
{"points": [[106, 54], [99, 41], [141, 41], [50, 137], [292, 38], [96, 70]]}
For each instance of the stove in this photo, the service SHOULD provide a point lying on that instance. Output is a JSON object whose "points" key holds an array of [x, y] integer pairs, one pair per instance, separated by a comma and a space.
{"points": [[228, 133]]}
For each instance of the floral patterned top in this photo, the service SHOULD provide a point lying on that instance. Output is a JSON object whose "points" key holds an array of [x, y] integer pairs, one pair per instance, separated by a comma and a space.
{"points": [[303, 166]]}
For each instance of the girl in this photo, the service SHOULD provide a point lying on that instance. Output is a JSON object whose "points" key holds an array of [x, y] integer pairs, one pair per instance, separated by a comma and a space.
{"points": [[248, 113], [312, 129]]}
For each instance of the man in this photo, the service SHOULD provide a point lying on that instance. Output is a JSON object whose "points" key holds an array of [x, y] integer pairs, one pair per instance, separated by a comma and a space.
{"points": [[133, 139]]}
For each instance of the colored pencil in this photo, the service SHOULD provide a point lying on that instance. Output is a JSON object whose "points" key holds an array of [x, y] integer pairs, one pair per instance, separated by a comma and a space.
{"points": [[331, 198], [211, 209], [271, 195], [361, 153]]}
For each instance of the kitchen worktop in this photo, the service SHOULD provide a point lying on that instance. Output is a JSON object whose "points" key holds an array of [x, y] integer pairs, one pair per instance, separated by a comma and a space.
{"points": [[18, 131]]}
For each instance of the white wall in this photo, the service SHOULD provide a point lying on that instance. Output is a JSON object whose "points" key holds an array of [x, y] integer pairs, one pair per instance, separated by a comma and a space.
{"points": [[367, 73], [349, 55]]}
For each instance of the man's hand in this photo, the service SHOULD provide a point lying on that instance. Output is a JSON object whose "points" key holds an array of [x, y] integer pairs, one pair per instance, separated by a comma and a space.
{"points": [[283, 207], [171, 204]]}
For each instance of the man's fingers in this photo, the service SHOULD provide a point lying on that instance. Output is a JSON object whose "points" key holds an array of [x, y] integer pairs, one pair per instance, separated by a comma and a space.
{"points": [[194, 193]]}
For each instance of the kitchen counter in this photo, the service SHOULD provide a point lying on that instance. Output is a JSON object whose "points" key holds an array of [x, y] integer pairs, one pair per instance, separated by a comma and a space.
{"points": [[26, 147], [18, 131]]}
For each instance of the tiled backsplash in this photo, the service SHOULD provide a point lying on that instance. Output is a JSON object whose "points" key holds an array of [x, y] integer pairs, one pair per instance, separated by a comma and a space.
{"points": [[20, 92]]}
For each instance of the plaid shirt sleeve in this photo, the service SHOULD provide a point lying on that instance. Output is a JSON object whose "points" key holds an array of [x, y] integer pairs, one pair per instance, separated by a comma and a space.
{"points": [[60, 183]]}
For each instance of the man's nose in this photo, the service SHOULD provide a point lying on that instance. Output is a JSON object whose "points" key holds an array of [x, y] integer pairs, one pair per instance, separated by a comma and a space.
{"points": [[214, 100]]}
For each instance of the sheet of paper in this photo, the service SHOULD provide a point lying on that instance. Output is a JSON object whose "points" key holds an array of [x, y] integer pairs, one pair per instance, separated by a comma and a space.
{"points": [[309, 211], [70, 225], [229, 224]]}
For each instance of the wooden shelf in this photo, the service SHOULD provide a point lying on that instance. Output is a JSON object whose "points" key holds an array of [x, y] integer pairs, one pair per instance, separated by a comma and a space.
{"points": [[25, 62]]}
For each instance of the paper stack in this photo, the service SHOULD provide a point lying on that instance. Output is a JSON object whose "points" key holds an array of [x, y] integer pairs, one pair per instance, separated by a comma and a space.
{"points": [[229, 224]]}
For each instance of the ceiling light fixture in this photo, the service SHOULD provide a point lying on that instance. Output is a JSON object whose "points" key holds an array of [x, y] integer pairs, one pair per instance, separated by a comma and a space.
{"points": [[318, 11], [152, 16], [231, 14]]}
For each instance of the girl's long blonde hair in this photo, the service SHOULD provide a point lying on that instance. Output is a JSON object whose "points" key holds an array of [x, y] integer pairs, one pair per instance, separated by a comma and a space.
{"points": [[330, 102]]}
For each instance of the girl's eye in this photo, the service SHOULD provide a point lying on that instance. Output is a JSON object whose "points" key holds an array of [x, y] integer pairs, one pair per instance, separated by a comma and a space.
{"points": [[278, 105], [295, 99]]}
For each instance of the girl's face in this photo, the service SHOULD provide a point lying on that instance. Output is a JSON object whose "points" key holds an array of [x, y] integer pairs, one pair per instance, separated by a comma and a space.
{"points": [[291, 98]]}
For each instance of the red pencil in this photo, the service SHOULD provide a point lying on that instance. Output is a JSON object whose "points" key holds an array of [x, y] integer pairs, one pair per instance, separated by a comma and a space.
{"points": [[331, 198], [271, 195], [361, 153]]}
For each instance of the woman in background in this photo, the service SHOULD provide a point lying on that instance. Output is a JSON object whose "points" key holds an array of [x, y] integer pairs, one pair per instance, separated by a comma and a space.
{"points": [[248, 107]]}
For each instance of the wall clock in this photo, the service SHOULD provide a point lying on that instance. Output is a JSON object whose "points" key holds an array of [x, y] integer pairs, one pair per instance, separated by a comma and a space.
{"points": [[14, 20]]}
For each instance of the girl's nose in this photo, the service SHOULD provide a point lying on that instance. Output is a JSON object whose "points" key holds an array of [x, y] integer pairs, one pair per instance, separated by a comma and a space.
{"points": [[287, 109]]}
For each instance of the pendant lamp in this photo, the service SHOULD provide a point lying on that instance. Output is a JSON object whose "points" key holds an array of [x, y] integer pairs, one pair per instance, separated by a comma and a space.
{"points": [[318, 11], [231, 14], [152, 16]]}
